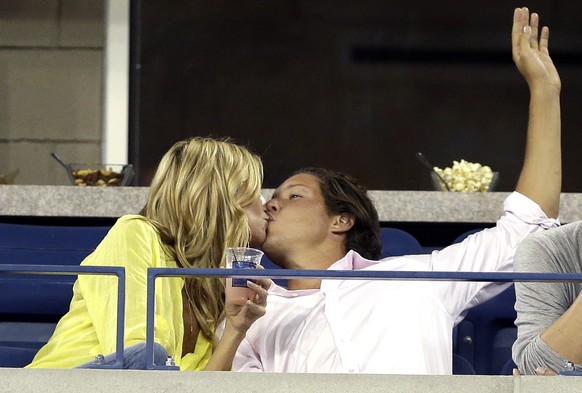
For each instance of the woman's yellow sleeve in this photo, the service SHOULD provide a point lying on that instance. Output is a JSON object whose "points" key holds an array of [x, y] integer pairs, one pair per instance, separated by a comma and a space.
{"points": [[134, 244]]}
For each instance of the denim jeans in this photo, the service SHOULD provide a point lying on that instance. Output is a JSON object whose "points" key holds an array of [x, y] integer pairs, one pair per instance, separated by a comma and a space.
{"points": [[134, 358]]}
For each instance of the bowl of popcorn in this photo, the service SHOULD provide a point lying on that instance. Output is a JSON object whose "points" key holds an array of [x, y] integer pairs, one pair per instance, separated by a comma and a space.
{"points": [[464, 176], [103, 175]]}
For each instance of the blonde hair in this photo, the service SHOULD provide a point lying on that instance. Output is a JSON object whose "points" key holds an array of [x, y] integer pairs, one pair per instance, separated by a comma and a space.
{"points": [[196, 201]]}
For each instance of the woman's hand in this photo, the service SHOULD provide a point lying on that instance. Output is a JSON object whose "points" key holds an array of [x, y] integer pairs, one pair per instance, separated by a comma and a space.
{"points": [[241, 317], [541, 371], [545, 372]]}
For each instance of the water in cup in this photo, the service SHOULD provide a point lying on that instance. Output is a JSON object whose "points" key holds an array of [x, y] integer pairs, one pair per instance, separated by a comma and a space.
{"points": [[241, 258]]}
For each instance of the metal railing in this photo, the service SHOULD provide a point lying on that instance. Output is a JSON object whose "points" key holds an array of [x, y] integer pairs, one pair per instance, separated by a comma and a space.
{"points": [[154, 273]]}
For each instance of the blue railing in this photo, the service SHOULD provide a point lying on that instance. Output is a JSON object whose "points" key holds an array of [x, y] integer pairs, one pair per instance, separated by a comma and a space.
{"points": [[78, 270], [154, 273], [500, 277]]}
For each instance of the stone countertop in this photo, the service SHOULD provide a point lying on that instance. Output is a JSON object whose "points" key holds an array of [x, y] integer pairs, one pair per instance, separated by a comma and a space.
{"points": [[393, 206]]}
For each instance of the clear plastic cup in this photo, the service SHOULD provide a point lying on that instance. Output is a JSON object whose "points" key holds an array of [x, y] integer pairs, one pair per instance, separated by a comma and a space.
{"points": [[237, 291]]}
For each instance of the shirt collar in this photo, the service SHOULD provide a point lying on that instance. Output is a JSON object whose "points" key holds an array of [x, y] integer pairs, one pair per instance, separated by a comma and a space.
{"points": [[351, 261]]}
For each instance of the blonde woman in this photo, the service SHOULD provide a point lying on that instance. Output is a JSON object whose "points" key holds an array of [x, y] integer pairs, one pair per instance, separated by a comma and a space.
{"points": [[205, 196]]}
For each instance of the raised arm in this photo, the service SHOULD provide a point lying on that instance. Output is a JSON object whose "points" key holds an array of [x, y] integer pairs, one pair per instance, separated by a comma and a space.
{"points": [[541, 175]]}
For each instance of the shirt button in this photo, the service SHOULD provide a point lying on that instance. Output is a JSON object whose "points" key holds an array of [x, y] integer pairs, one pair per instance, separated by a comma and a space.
{"points": [[351, 370]]}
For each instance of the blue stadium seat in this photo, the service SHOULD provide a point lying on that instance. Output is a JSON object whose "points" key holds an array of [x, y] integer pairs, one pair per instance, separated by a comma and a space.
{"points": [[31, 305], [487, 333], [462, 366], [20, 340], [508, 367], [397, 242], [268, 264], [51, 237], [464, 235]]}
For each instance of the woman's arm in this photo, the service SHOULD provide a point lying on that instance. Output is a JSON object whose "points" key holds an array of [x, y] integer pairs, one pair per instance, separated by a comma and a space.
{"points": [[564, 336], [133, 244], [549, 314], [238, 320]]}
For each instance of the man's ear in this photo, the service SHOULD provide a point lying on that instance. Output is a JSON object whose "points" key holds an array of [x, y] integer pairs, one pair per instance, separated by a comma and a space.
{"points": [[343, 222]]}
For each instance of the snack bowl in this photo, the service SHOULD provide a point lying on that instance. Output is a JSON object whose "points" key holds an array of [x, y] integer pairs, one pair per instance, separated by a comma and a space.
{"points": [[104, 175], [439, 186]]}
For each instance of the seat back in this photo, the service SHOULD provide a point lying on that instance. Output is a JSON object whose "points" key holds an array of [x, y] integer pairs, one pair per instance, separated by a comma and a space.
{"points": [[268, 264], [21, 340], [487, 333], [31, 305], [462, 366], [466, 234], [397, 242]]}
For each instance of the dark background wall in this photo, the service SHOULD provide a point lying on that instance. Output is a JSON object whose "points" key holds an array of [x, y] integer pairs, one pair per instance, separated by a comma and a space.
{"points": [[353, 85]]}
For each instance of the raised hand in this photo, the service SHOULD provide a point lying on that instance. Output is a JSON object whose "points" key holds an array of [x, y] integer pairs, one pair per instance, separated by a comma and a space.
{"points": [[530, 50]]}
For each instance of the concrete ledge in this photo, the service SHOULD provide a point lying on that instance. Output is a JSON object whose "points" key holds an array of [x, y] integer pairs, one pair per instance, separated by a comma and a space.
{"points": [[71, 201], [393, 206], [95, 381]]}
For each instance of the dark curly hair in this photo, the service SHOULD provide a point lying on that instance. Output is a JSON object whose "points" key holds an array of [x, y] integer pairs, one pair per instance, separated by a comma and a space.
{"points": [[343, 194]]}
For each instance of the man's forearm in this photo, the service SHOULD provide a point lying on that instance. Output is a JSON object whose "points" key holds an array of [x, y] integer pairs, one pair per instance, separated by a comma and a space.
{"points": [[541, 176]]}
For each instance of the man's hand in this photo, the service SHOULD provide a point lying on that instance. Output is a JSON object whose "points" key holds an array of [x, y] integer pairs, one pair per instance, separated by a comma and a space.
{"points": [[530, 51]]}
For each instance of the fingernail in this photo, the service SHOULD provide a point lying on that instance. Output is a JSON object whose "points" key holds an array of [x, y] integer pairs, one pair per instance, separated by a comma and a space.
{"points": [[526, 29], [515, 372], [541, 370]]}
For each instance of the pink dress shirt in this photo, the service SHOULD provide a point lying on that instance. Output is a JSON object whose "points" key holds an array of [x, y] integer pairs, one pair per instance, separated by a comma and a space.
{"points": [[386, 327]]}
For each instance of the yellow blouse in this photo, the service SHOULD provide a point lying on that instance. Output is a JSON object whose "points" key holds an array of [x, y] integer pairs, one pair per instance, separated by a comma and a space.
{"points": [[89, 327]]}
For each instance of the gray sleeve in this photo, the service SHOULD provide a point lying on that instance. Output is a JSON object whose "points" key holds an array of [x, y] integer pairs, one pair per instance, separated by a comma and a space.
{"points": [[539, 305]]}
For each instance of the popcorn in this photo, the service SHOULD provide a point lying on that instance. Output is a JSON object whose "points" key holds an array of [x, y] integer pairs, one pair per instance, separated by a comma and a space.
{"points": [[466, 176]]}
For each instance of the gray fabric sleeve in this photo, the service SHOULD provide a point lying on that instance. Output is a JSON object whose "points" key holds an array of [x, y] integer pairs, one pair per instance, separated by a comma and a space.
{"points": [[538, 304]]}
